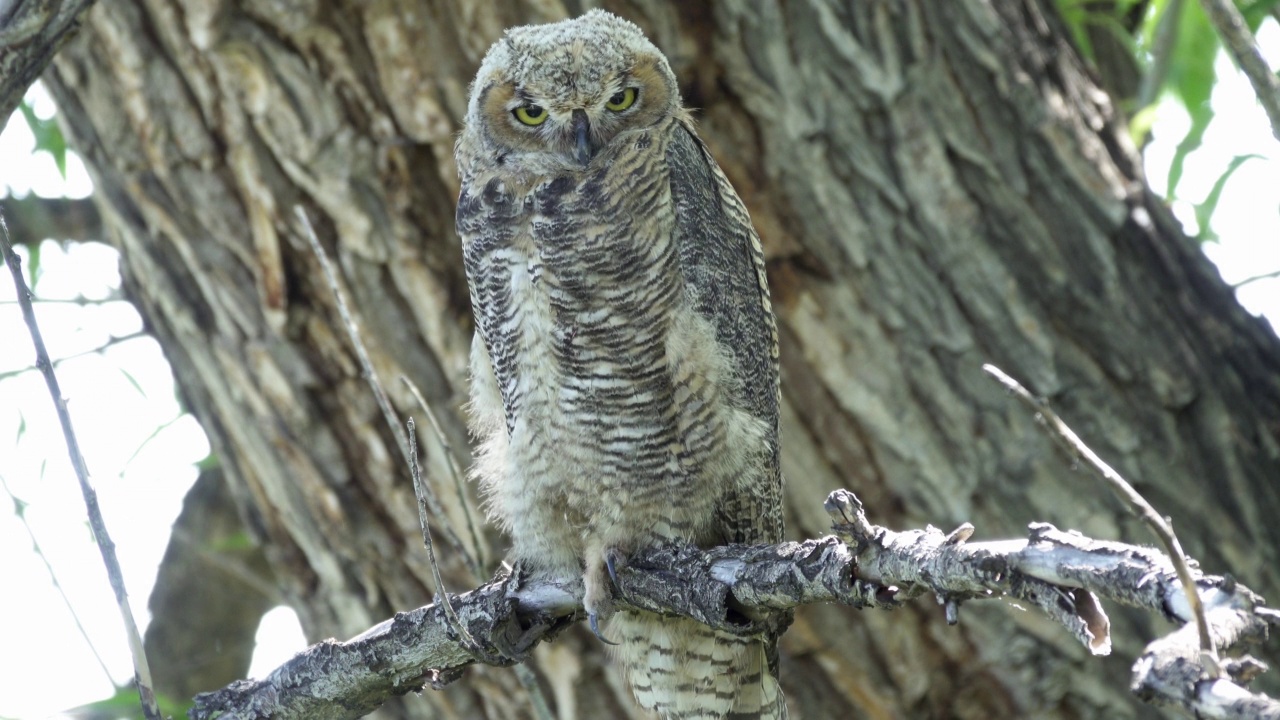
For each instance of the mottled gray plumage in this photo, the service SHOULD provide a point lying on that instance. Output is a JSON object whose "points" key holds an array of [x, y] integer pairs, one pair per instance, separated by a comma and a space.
{"points": [[624, 371]]}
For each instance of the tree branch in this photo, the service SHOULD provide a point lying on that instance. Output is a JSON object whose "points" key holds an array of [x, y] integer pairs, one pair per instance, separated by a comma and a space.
{"points": [[142, 673], [33, 219], [31, 32], [1132, 499], [1233, 30], [91, 351], [741, 588], [1255, 278]]}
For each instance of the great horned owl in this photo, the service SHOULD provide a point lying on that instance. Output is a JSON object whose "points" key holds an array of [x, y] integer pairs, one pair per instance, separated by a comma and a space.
{"points": [[625, 364]]}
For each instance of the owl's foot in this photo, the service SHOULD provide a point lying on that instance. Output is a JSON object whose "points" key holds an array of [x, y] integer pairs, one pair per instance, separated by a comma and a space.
{"points": [[597, 597]]}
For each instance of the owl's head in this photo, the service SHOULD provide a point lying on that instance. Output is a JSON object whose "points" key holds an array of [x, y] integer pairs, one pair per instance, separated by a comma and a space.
{"points": [[559, 93]]}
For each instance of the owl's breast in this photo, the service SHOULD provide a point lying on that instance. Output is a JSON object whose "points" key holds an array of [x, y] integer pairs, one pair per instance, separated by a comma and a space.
{"points": [[575, 284]]}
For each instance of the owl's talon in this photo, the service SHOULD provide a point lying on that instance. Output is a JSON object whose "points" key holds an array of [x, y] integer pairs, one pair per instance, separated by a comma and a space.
{"points": [[594, 621], [609, 560]]}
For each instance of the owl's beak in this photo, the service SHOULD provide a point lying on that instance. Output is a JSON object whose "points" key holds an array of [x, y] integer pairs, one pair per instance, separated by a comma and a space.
{"points": [[581, 127]]}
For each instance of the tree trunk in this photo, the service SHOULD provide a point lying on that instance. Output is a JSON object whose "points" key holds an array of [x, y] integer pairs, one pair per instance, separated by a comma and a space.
{"points": [[937, 185]]}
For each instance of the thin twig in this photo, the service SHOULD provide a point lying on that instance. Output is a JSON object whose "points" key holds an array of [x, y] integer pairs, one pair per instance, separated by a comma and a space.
{"points": [[80, 300], [371, 376], [142, 672], [424, 491], [441, 593], [529, 680], [455, 468], [524, 673], [1255, 278], [1136, 503], [91, 351], [1233, 30], [18, 510]]}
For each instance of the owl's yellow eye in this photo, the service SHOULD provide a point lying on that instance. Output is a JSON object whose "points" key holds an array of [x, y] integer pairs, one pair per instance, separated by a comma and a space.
{"points": [[622, 99], [531, 114]]}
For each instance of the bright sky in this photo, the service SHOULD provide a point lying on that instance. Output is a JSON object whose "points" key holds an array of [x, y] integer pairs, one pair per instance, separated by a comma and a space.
{"points": [[141, 449], [1248, 215]]}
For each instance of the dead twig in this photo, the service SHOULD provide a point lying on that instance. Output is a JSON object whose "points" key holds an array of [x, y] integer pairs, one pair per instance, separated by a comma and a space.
{"points": [[487, 652], [441, 593], [84, 353], [527, 678], [1255, 278], [455, 468], [375, 385], [1138, 505], [142, 672]]}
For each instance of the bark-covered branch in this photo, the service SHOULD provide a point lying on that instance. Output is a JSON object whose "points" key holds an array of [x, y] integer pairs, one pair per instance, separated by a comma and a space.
{"points": [[740, 588], [1061, 573], [31, 32], [32, 219], [1234, 31]]}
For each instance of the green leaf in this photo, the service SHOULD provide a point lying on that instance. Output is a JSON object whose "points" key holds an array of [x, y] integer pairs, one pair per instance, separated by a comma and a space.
{"points": [[1075, 15], [1191, 71], [1206, 209], [208, 462], [125, 703], [1140, 125], [22, 427], [236, 541], [1189, 144], [1191, 77], [1079, 15], [33, 265], [49, 137], [19, 506], [1257, 11], [1154, 36]]}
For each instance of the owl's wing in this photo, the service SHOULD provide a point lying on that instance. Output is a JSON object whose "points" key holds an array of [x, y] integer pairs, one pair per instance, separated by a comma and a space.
{"points": [[724, 272]]}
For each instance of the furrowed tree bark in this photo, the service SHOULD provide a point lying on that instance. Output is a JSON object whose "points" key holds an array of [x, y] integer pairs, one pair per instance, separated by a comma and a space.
{"points": [[938, 185]]}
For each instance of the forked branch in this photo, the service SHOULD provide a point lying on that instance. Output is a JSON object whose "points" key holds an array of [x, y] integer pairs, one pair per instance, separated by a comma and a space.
{"points": [[862, 565]]}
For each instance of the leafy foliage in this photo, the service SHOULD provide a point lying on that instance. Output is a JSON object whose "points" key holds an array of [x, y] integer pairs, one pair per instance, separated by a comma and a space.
{"points": [[1175, 47], [1205, 210], [124, 705], [49, 137]]}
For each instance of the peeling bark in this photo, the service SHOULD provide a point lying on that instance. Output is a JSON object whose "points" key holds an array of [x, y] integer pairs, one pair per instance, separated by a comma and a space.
{"points": [[1060, 573]]}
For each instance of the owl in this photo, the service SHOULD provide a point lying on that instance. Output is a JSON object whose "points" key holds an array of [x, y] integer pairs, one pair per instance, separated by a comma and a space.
{"points": [[624, 387]]}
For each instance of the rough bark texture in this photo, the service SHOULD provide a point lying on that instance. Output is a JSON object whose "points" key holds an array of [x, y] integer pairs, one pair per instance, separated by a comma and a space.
{"points": [[937, 185], [31, 31]]}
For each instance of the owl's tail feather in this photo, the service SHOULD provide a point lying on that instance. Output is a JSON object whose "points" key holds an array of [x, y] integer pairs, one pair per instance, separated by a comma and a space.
{"points": [[683, 670]]}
